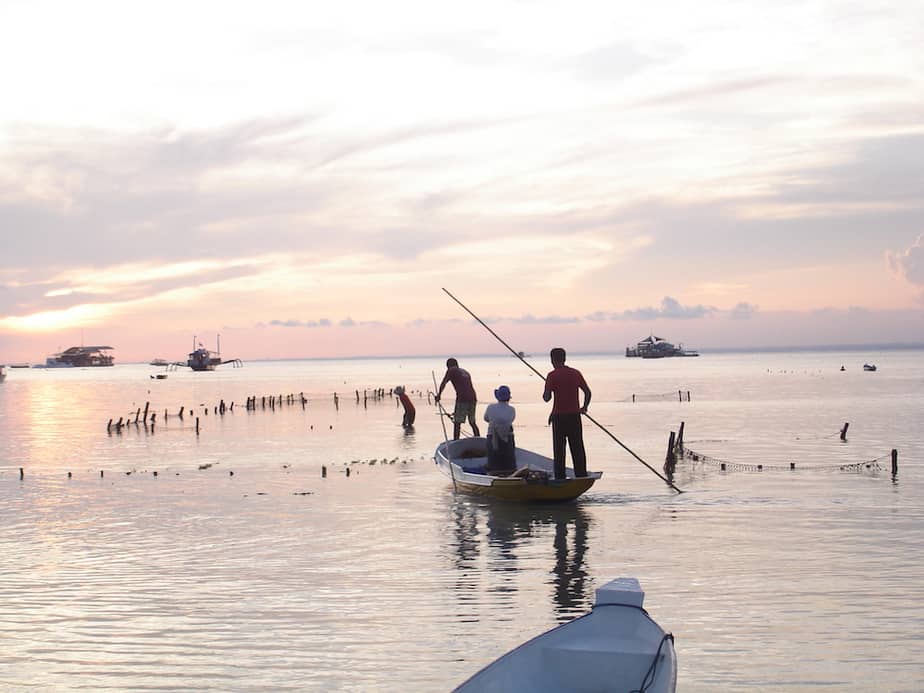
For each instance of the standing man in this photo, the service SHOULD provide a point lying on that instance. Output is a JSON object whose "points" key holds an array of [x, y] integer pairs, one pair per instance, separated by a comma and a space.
{"points": [[564, 382], [465, 397]]}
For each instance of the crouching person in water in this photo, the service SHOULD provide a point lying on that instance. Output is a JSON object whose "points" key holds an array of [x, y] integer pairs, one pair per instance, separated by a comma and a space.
{"points": [[409, 412], [501, 449]]}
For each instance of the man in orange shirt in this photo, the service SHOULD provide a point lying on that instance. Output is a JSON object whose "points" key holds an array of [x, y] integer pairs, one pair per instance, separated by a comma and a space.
{"points": [[409, 412]]}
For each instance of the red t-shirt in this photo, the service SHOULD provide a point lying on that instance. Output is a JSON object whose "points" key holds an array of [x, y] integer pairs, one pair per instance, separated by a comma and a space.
{"points": [[564, 383], [461, 383], [406, 401]]}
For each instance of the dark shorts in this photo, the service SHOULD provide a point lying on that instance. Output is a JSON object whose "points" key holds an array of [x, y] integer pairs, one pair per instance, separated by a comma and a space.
{"points": [[463, 411]]}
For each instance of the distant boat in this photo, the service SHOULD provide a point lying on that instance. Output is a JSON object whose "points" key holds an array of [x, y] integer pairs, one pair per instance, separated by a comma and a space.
{"points": [[615, 647], [158, 362], [22, 364], [869, 366], [80, 357], [201, 359], [2, 373], [463, 461], [657, 348]]}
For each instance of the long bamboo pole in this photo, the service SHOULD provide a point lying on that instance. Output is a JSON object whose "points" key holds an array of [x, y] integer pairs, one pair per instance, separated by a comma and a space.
{"points": [[442, 413]]}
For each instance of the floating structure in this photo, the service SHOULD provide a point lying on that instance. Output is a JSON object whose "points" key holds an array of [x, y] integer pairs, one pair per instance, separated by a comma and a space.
{"points": [[657, 348], [617, 646], [80, 357], [464, 461]]}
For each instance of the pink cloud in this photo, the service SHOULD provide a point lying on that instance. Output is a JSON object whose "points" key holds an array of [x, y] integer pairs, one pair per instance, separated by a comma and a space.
{"points": [[910, 263]]}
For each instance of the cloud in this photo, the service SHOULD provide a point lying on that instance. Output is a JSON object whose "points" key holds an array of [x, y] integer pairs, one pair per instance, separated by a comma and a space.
{"points": [[544, 320], [670, 309], [613, 61], [350, 322], [115, 285], [323, 322], [743, 311], [909, 263], [711, 91]]}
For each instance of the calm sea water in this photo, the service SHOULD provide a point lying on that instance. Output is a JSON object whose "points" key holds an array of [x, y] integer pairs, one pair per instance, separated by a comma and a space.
{"points": [[237, 567]]}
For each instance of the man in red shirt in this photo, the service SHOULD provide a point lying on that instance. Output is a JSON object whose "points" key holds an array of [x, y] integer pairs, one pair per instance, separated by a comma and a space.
{"points": [[465, 397], [564, 382], [409, 412]]}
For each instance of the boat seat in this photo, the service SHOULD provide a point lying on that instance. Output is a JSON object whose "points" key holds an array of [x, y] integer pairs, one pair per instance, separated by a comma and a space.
{"points": [[474, 468]]}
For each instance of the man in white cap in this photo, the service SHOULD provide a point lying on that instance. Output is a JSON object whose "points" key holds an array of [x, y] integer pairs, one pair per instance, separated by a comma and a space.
{"points": [[501, 447]]}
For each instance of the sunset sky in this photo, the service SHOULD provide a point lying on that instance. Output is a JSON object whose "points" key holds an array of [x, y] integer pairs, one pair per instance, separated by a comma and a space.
{"points": [[303, 178]]}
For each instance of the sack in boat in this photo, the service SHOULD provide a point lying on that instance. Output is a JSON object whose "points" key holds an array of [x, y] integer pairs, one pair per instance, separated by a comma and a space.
{"points": [[536, 475]]}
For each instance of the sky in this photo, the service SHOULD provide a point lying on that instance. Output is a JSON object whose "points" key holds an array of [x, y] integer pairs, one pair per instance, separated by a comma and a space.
{"points": [[304, 178]]}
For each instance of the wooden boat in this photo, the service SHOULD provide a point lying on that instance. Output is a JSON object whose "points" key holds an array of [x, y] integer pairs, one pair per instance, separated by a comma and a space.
{"points": [[616, 647], [201, 359], [464, 460]]}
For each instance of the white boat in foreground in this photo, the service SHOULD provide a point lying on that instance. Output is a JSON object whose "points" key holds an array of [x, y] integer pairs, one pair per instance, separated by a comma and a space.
{"points": [[616, 647]]}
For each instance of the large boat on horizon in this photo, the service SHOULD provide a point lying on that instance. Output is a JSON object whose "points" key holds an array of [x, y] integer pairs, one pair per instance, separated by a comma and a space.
{"points": [[657, 348], [201, 359], [80, 357]]}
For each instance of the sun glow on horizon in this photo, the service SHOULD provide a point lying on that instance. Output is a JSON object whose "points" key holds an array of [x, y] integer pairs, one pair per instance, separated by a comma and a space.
{"points": [[54, 320]]}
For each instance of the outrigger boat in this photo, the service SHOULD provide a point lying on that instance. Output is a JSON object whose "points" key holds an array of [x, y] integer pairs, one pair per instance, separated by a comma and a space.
{"points": [[464, 461], [616, 647]]}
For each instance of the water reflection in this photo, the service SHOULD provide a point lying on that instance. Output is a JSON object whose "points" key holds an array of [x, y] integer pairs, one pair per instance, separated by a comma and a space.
{"points": [[508, 539], [571, 596]]}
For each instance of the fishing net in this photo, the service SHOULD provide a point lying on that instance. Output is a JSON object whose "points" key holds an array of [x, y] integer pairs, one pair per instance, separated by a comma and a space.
{"points": [[675, 396], [804, 459], [727, 465]]}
